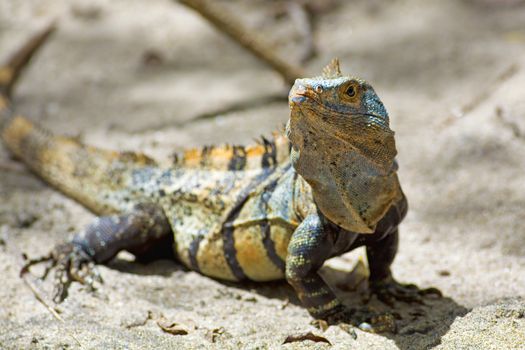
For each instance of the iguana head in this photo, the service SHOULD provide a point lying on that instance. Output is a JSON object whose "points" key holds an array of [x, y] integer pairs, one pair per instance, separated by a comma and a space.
{"points": [[343, 147]]}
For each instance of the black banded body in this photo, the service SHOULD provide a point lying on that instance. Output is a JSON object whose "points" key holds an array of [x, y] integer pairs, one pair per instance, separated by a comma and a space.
{"points": [[244, 237]]}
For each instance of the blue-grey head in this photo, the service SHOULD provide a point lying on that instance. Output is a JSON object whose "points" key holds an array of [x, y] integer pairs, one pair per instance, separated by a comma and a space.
{"points": [[333, 109], [339, 96], [341, 139]]}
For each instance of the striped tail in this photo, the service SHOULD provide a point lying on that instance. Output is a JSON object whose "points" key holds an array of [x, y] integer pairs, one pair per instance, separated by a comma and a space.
{"points": [[79, 171]]}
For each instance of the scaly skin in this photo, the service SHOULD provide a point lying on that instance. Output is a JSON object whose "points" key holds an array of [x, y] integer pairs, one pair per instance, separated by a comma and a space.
{"points": [[233, 212]]}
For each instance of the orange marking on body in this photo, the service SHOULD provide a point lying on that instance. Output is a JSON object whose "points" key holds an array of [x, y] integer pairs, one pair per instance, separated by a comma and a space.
{"points": [[192, 157], [255, 151], [222, 153], [215, 156], [218, 158]]}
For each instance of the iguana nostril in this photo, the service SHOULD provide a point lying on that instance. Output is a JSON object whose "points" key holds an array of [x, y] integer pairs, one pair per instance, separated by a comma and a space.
{"points": [[300, 88], [297, 99]]}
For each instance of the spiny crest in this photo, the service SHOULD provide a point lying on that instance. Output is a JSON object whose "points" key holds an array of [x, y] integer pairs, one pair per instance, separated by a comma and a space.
{"points": [[264, 154], [332, 70]]}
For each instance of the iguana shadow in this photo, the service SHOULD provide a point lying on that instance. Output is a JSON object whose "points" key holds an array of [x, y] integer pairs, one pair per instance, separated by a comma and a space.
{"points": [[419, 326]]}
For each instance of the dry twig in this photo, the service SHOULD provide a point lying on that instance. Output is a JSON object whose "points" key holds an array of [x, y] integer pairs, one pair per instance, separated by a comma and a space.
{"points": [[32, 285], [299, 14], [14, 65], [252, 41]]}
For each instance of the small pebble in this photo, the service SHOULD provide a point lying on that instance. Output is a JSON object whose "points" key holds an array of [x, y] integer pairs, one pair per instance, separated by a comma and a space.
{"points": [[367, 327]]}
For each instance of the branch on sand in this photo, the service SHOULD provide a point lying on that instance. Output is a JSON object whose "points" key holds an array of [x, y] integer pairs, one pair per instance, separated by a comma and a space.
{"points": [[249, 39]]}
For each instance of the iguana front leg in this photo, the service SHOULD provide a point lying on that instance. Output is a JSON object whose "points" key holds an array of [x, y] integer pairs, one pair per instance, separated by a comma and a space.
{"points": [[136, 231], [380, 256], [308, 249]]}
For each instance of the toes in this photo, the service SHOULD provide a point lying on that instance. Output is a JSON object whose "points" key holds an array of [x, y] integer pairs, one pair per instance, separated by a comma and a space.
{"points": [[386, 298], [382, 323], [86, 274], [431, 291], [96, 276], [47, 259], [353, 316], [93, 277], [410, 286], [410, 297], [410, 293], [367, 320], [49, 266], [80, 268], [62, 282], [71, 263]]}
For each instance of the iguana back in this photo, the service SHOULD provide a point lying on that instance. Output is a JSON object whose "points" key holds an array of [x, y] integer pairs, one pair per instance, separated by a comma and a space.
{"points": [[105, 180]]}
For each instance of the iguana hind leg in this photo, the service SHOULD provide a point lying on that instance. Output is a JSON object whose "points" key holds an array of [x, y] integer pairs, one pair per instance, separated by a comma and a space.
{"points": [[137, 231]]}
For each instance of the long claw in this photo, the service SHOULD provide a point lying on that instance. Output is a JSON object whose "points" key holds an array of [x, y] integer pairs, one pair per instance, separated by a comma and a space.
{"points": [[431, 291], [71, 264], [97, 276], [48, 269], [31, 262], [389, 291], [365, 319], [62, 283]]}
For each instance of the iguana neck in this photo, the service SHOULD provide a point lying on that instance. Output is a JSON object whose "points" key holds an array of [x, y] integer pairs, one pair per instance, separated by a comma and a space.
{"points": [[350, 188]]}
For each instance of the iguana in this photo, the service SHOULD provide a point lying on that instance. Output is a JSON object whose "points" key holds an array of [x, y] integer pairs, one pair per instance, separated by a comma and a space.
{"points": [[275, 210]]}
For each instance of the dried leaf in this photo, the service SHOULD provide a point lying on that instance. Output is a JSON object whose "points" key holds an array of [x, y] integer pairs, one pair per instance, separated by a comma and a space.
{"points": [[171, 327], [306, 336]]}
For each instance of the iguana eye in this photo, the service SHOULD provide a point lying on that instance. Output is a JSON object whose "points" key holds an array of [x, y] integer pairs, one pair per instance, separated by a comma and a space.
{"points": [[351, 91], [319, 89]]}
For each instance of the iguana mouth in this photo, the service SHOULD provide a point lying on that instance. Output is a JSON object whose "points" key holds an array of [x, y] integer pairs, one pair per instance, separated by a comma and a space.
{"points": [[301, 94], [297, 99]]}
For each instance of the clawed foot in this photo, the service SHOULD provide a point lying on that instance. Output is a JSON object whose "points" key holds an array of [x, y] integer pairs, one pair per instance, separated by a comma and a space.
{"points": [[388, 291], [72, 263], [365, 319]]}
